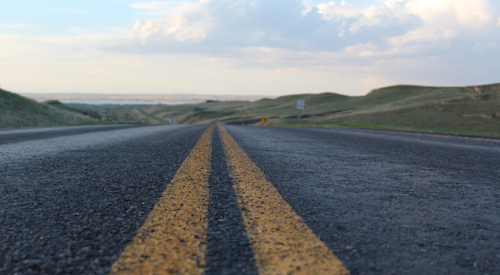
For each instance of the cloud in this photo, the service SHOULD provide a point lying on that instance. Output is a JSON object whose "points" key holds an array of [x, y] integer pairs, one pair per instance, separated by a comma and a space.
{"points": [[217, 26], [449, 42], [18, 26], [213, 25], [434, 42], [447, 21], [393, 27]]}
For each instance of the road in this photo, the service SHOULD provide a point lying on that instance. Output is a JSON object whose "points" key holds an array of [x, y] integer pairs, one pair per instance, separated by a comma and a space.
{"points": [[247, 200]]}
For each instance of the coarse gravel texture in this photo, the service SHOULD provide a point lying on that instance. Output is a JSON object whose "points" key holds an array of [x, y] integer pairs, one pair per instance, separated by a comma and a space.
{"points": [[24, 134], [70, 204], [229, 250], [388, 202], [383, 202]]}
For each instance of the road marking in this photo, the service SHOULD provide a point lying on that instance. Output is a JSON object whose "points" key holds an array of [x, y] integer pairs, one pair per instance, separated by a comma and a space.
{"points": [[281, 241], [174, 236]]}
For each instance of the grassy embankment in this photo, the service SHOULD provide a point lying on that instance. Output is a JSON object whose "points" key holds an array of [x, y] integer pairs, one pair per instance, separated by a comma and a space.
{"points": [[465, 110], [18, 111]]}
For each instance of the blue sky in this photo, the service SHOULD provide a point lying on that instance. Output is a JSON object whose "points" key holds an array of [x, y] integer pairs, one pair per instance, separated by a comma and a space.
{"points": [[246, 46], [59, 17]]}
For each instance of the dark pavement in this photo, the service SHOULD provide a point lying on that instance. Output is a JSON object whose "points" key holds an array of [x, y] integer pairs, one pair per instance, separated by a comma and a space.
{"points": [[72, 208], [389, 202], [383, 202]]}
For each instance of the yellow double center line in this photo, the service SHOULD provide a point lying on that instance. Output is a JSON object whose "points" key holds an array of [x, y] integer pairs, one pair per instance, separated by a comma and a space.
{"points": [[282, 243], [173, 238]]}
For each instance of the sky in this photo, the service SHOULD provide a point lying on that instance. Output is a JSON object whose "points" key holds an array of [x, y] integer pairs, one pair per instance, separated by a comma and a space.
{"points": [[246, 47]]}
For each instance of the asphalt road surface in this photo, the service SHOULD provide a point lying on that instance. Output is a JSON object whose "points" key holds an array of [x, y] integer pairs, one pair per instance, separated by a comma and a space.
{"points": [[247, 200]]}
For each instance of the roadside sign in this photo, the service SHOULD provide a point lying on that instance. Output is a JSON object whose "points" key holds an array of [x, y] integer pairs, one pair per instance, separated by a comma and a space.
{"points": [[172, 122], [301, 104], [265, 120]]}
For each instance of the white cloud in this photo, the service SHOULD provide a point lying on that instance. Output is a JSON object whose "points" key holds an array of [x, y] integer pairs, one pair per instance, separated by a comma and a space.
{"points": [[471, 15], [335, 36], [218, 25], [419, 41], [338, 11], [448, 26], [393, 27], [18, 26]]}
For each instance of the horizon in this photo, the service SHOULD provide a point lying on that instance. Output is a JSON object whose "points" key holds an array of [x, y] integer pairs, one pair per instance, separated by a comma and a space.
{"points": [[152, 98], [132, 95], [245, 48]]}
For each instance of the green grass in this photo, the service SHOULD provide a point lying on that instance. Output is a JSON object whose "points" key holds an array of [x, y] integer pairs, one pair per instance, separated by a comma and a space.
{"points": [[465, 116], [18, 111], [462, 110]]}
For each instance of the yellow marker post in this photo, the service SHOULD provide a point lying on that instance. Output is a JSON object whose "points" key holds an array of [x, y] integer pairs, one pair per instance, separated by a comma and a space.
{"points": [[174, 236], [281, 241]]}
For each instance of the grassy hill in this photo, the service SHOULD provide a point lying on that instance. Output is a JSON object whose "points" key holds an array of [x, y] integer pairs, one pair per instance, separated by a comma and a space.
{"points": [[477, 111], [18, 111], [469, 110]]}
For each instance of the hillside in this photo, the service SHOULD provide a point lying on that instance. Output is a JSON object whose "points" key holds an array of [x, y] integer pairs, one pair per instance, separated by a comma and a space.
{"points": [[474, 110], [18, 111], [477, 111]]}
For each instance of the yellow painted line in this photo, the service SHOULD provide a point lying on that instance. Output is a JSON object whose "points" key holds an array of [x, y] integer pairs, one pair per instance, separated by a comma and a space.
{"points": [[173, 238], [281, 241]]}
